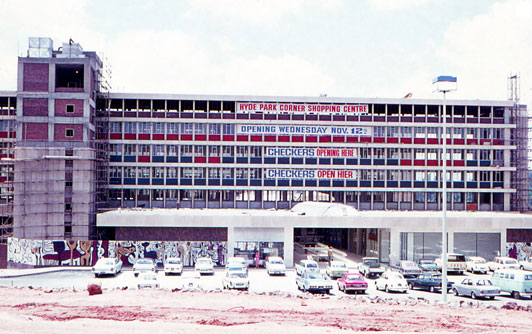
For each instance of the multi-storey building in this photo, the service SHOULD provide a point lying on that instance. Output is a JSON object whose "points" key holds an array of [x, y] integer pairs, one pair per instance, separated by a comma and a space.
{"points": [[78, 150]]}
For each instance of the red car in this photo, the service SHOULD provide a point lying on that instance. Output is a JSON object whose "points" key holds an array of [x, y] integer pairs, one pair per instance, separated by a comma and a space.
{"points": [[352, 282]]}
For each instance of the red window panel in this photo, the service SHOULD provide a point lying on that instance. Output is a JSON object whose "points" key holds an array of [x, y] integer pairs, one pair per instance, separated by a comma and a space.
{"points": [[242, 138], [325, 139], [338, 139], [471, 142], [419, 162], [200, 160], [379, 139], [186, 137], [116, 136], [158, 136], [459, 141], [284, 139], [201, 137], [172, 137], [144, 136], [471, 207], [352, 139], [433, 163], [482, 141], [144, 158], [405, 162], [406, 140], [365, 139], [3, 134], [419, 140], [214, 137], [256, 138], [433, 141], [298, 139], [269, 138], [311, 139], [392, 140], [3, 179], [214, 160], [130, 136], [229, 138], [498, 142], [459, 163]]}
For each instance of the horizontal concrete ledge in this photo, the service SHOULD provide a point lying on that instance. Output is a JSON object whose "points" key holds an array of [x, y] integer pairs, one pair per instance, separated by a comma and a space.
{"points": [[11, 273]]}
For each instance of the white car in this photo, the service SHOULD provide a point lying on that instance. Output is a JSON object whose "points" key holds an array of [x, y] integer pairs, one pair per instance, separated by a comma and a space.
{"points": [[173, 265], [235, 280], [275, 265], [204, 265], [144, 265], [237, 261], [148, 280], [191, 280], [476, 264], [503, 262], [336, 269], [391, 281], [107, 266], [526, 264]]}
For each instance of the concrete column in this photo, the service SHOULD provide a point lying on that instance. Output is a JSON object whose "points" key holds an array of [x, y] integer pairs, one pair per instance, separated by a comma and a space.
{"points": [[395, 245], [503, 242], [289, 246], [450, 241], [230, 241]]}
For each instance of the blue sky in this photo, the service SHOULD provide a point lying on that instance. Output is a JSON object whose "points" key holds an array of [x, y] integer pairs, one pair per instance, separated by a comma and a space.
{"points": [[363, 48]]}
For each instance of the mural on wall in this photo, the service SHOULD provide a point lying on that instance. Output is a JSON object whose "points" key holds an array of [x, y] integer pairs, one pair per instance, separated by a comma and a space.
{"points": [[87, 252], [519, 250]]}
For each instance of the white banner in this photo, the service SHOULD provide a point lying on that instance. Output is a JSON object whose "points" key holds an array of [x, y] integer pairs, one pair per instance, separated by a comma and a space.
{"points": [[351, 109], [309, 152], [299, 130]]}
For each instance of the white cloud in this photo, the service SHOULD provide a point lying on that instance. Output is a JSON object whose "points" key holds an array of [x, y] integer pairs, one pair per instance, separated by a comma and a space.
{"points": [[397, 4]]}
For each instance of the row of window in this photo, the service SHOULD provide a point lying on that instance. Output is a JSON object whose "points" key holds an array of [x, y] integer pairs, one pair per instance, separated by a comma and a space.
{"points": [[161, 150], [258, 173], [298, 196], [229, 129]]}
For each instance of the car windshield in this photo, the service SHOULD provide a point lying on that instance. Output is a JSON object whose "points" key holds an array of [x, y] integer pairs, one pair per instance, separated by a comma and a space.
{"points": [[456, 258], [276, 262], [237, 275], [369, 261], [353, 277], [144, 261], [480, 261], [316, 276], [426, 262], [204, 261], [484, 282], [108, 262], [409, 265], [511, 261], [174, 261], [528, 277], [396, 276], [312, 265], [339, 265]]}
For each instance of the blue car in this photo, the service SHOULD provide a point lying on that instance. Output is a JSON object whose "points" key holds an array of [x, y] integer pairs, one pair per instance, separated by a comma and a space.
{"points": [[427, 265]]}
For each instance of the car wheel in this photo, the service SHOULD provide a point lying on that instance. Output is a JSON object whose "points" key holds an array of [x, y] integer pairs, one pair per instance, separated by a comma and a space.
{"points": [[473, 296], [304, 289], [455, 291], [136, 274], [431, 289], [386, 289], [410, 286], [516, 295], [492, 297], [522, 268]]}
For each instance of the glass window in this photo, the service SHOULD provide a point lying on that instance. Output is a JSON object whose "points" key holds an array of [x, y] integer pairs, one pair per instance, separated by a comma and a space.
{"points": [[227, 173], [378, 153], [143, 172], [186, 150], [228, 129], [227, 151], [214, 151], [171, 150], [214, 129], [200, 128], [406, 153], [419, 132], [199, 150], [158, 150], [158, 172], [130, 172], [241, 173], [214, 173], [406, 132], [171, 172], [144, 127], [187, 172], [199, 173], [172, 128], [379, 131], [144, 149], [241, 151], [115, 149], [187, 128], [115, 127]]}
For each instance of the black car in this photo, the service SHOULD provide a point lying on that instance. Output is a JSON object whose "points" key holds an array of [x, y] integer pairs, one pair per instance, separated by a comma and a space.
{"points": [[428, 281]]}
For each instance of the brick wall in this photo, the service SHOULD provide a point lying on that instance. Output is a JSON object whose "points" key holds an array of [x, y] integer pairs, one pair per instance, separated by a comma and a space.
{"points": [[35, 77], [171, 233], [61, 106], [34, 131], [35, 107], [60, 132]]}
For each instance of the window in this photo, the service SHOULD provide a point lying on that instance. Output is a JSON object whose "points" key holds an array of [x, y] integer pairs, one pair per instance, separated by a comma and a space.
{"points": [[484, 176], [115, 171], [419, 132], [214, 151], [199, 150], [471, 133], [255, 173], [130, 127], [214, 129], [406, 153], [187, 172], [227, 151], [171, 150], [241, 173], [144, 127], [393, 131], [158, 150], [171, 172], [200, 128], [432, 154], [431, 197], [214, 173], [406, 175], [498, 176], [432, 132], [130, 172], [393, 153], [69, 108], [241, 151], [420, 176], [228, 129], [364, 153], [199, 173], [130, 149], [187, 128], [420, 197], [186, 150], [227, 173], [69, 132], [485, 154], [419, 154], [158, 172], [144, 172], [379, 131], [378, 153], [115, 149], [172, 128], [406, 132], [158, 128], [393, 175], [144, 149], [255, 151], [458, 133], [115, 127]]}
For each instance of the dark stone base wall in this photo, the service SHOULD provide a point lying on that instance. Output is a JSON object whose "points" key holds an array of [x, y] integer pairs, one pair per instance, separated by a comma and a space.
{"points": [[171, 233], [3, 256]]}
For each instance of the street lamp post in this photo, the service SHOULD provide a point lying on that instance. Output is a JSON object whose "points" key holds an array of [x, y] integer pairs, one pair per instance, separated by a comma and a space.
{"points": [[444, 84]]}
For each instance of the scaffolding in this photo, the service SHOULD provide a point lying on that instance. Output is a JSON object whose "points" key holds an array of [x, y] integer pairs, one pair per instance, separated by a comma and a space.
{"points": [[7, 145], [520, 179]]}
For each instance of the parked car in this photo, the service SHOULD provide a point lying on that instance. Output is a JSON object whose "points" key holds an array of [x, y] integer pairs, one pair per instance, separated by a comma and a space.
{"points": [[275, 265], [391, 281], [455, 263], [314, 282], [144, 265], [503, 262], [204, 265], [408, 268], [336, 269], [235, 280], [173, 265], [307, 266], [476, 264], [352, 282], [191, 280], [526, 264], [428, 281], [370, 266], [236, 261], [476, 288], [107, 266], [147, 279], [516, 282], [427, 265]]}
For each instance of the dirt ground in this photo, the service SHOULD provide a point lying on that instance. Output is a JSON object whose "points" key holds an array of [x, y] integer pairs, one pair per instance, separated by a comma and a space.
{"points": [[161, 311]]}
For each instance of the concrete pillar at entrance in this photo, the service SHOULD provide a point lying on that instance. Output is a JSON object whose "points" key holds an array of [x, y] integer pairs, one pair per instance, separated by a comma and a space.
{"points": [[450, 242], [503, 243], [289, 247], [230, 242], [395, 245]]}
